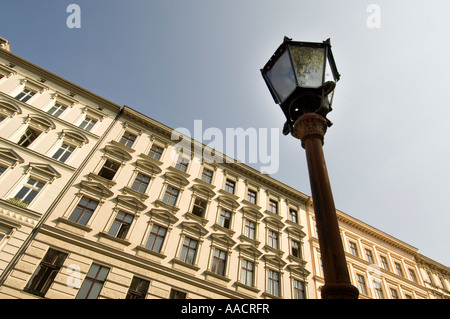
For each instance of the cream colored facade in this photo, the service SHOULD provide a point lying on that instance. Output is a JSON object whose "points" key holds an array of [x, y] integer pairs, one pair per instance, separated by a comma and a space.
{"points": [[124, 214]]}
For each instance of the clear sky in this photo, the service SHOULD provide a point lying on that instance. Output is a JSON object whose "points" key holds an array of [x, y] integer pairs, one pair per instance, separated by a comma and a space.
{"points": [[178, 61]]}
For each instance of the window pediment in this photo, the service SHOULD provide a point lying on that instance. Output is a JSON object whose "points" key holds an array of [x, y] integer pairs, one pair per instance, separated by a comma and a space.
{"points": [[10, 157], [249, 250], [274, 222], [298, 269], [203, 190], [176, 178], [274, 260], [252, 213], [223, 239], [194, 228], [295, 231], [40, 123], [118, 153], [96, 189], [228, 201], [131, 202], [44, 171], [74, 137], [163, 215], [148, 166], [9, 108]]}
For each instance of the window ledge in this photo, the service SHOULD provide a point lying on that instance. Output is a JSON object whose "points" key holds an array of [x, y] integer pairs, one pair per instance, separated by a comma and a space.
{"points": [[173, 209], [199, 219], [222, 278], [128, 190], [202, 182], [253, 289], [227, 231], [107, 182], [149, 251], [182, 263], [71, 224]]}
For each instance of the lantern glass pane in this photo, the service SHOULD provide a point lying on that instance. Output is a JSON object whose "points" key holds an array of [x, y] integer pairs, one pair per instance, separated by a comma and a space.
{"points": [[281, 76], [309, 65]]}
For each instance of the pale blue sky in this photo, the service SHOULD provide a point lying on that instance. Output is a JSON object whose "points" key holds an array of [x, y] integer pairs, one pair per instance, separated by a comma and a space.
{"points": [[183, 60]]}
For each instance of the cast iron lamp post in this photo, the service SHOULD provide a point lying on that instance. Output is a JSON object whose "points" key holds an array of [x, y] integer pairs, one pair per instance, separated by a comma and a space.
{"points": [[301, 77]]}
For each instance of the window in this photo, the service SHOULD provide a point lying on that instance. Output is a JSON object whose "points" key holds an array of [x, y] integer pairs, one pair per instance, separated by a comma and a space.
{"points": [[93, 283], [138, 288], [295, 249], [83, 211], [274, 283], [156, 238], [156, 152], [430, 277], [28, 137], [219, 262], [273, 239], [394, 293], [247, 272], [440, 279], [273, 206], [199, 207], [189, 250], [353, 248], [121, 225], [250, 229], [207, 175], [46, 272], [384, 262], [141, 182], [378, 289], [182, 164], [299, 289], [176, 294], [128, 139], [398, 269], [369, 256], [361, 284], [57, 109], [63, 153], [171, 195], [293, 215], [412, 274], [25, 95], [109, 169], [88, 123], [2, 170], [29, 191], [251, 196], [229, 186], [225, 218]]}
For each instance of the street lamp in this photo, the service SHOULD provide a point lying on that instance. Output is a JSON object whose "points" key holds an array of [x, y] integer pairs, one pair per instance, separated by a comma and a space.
{"points": [[301, 77]]}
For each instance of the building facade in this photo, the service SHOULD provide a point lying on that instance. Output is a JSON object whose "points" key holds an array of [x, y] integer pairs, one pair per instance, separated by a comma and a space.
{"points": [[101, 201]]}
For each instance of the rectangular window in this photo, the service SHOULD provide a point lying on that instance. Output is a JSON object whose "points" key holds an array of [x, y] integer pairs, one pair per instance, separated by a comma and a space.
{"points": [[189, 250], [63, 153], [229, 186], [87, 124], [273, 206], [93, 283], [121, 225], [182, 164], [109, 169], [156, 238], [199, 207], [369, 256], [29, 191], [361, 284], [250, 229], [299, 289], [176, 294], [83, 211], [394, 293], [378, 289], [353, 248], [251, 196], [247, 272], [398, 269], [57, 109], [25, 95], [274, 283], [207, 175], [219, 262], [128, 139], [412, 274], [293, 215], [273, 239], [171, 195], [155, 152], [28, 137], [384, 262], [225, 218], [138, 288], [141, 182], [46, 272], [295, 249]]}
